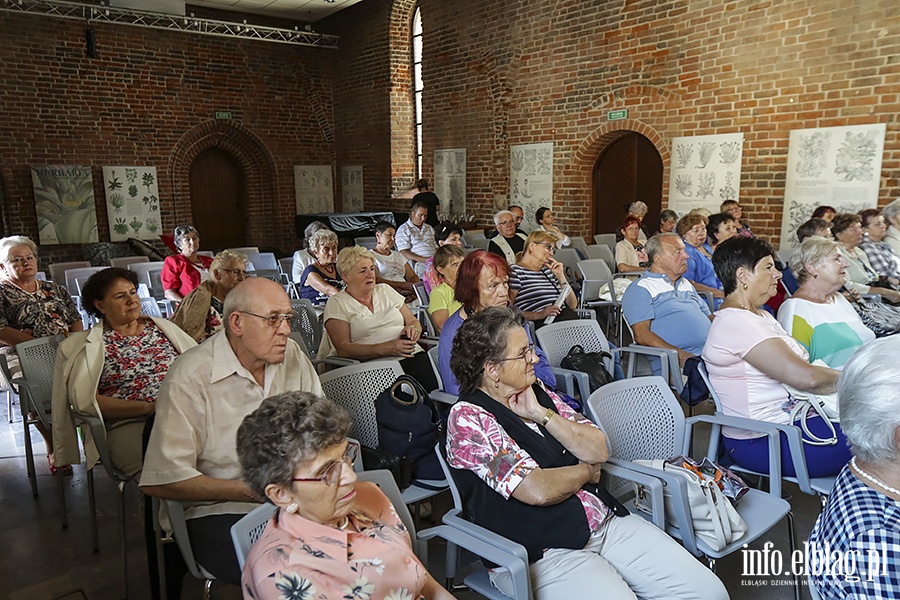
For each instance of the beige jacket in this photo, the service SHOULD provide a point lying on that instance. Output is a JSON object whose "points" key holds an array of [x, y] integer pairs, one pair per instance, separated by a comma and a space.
{"points": [[193, 311], [76, 377]]}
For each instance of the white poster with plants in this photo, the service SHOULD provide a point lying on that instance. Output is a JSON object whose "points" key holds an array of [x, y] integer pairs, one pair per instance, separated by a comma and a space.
{"points": [[64, 203], [531, 179], [314, 189], [132, 203], [835, 166], [450, 183], [352, 189], [705, 171]]}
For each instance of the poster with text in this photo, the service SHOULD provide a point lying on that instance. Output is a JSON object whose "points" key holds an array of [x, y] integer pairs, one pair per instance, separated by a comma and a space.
{"points": [[450, 183], [314, 189], [64, 202], [132, 203], [705, 171], [531, 179], [835, 166], [352, 189]]}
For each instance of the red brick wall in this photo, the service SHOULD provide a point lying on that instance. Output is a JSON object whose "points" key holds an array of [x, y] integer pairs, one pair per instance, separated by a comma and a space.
{"points": [[513, 72], [149, 98]]}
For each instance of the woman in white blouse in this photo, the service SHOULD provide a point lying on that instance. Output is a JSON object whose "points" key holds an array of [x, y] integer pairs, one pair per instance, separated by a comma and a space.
{"points": [[390, 266], [544, 218]]}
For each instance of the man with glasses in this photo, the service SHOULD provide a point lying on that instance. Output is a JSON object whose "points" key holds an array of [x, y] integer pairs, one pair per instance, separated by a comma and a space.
{"points": [[519, 214], [206, 394], [508, 242]]}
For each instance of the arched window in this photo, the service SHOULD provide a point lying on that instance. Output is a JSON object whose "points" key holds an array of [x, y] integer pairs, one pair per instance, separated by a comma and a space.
{"points": [[417, 85]]}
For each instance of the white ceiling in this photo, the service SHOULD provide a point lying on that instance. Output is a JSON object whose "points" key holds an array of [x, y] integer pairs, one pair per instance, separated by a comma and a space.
{"points": [[307, 11]]}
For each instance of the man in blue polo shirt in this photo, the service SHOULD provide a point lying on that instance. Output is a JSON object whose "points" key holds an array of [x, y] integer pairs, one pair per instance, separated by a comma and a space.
{"points": [[663, 308]]}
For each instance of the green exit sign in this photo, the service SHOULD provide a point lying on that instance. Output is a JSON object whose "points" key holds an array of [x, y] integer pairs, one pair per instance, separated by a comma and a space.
{"points": [[221, 114], [617, 115]]}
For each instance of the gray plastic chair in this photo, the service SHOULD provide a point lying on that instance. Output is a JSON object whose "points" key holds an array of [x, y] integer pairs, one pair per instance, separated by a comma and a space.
{"points": [[306, 323], [607, 239], [7, 386], [177, 521], [604, 253], [367, 241], [122, 262], [262, 261], [58, 270], [74, 274]]}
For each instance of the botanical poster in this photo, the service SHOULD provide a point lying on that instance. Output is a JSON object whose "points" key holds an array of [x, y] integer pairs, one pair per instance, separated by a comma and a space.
{"points": [[352, 189], [531, 179], [836, 166], [450, 183], [314, 189], [132, 203], [706, 171], [64, 202]]}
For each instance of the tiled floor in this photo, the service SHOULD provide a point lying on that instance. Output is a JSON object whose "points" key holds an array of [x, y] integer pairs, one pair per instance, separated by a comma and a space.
{"points": [[42, 561]]}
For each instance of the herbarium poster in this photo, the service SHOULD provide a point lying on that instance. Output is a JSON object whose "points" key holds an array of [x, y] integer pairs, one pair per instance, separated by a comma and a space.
{"points": [[64, 202], [314, 189], [531, 179], [132, 203], [706, 171], [450, 182], [352, 189]]}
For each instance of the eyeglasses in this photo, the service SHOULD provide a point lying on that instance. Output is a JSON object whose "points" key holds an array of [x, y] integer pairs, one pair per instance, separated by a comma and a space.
{"points": [[528, 354], [507, 222], [332, 474], [272, 321], [239, 273], [548, 246]]}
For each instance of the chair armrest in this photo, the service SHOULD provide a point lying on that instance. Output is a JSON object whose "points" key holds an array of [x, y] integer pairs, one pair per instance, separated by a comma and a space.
{"points": [[660, 353], [581, 379], [872, 297], [772, 431], [565, 380], [429, 341], [657, 498], [339, 361], [443, 397]]}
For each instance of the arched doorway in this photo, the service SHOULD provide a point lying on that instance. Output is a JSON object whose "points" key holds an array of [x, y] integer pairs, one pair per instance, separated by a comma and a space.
{"points": [[218, 200], [628, 169]]}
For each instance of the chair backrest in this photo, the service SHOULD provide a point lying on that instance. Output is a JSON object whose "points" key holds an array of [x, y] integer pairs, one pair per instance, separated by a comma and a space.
{"points": [[285, 265], [578, 243], [367, 241], [262, 261], [178, 523], [73, 274], [558, 338], [143, 268], [704, 374], [150, 308], [36, 359], [606, 239], [481, 243], [245, 532], [154, 280], [208, 253], [306, 323], [421, 293], [122, 262], [40, 275], [245, 250], [569, 258], [272, 274], [594, 268], [58, 270], [604, 253], [355, 387], [475, 235], [433, 359]]}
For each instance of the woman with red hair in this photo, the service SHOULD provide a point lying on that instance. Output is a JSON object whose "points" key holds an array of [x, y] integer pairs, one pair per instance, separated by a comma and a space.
{"points": [[630, 254]]}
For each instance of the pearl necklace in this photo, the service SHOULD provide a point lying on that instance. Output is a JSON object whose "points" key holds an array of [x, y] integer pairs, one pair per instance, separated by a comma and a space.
{"points": [[877, 482]]}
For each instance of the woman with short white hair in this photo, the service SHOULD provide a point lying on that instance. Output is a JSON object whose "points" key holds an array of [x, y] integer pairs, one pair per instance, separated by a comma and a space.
{"points": [[320, 279], [201, 313], [862, 516], [891, 214]]}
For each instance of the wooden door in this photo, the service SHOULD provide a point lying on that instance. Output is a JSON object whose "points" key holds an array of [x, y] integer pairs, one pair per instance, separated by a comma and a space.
{"points": [[629, 169], [218, 200]]}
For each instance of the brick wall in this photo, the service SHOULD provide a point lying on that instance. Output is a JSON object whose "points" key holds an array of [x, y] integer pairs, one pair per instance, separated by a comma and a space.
{"points": [[514, 72], [149, 98]]}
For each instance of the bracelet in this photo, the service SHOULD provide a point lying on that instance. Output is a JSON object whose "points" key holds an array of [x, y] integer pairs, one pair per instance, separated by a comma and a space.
{"points": [[547, 416]]}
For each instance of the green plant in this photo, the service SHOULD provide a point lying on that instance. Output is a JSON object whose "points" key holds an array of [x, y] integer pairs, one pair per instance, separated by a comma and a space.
{"points": [[117, 201], [152, 225], [121, 227], [148, 180], [114, 183], [136, 225], [132, 191]]}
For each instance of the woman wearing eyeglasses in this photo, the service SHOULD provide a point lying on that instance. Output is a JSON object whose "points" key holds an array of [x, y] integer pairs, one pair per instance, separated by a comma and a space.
{"points": [[536, 280], [369, 320], [113, 371], [182, 272], [31, 308], [200, 314], [332, 536], [528, 468], [631, 257]]}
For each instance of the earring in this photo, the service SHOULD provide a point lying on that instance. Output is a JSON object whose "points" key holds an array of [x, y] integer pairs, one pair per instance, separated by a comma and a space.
{"points": [[292, 508], [744, 285], [497, 384]]}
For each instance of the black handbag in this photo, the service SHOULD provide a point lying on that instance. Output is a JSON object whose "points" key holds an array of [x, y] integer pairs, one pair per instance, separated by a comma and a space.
{"points": [[409, 426], [588, 362]]}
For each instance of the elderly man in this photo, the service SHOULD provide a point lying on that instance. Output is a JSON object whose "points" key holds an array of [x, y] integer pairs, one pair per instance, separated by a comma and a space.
{"points": [[663, 308], [206, 394], [519, 214], [507, 242], [415, 238]]}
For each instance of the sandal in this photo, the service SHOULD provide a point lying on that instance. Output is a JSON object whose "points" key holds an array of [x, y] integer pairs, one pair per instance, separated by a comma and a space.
{"points": [[66, 470]]}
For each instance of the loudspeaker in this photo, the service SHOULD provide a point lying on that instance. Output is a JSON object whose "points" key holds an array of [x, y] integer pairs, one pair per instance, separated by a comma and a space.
{"points": [[90, 41]]}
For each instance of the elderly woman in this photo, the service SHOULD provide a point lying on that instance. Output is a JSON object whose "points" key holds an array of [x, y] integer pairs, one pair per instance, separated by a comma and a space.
{"points": [[880, 254], [721, 227], [630, 254], [201, 312], [443, 302], [368, 320], [817, 315], [536, 281], [528, 468], [700, 272], [391, 267], [546, 222], [860, 517], [733, 208], [749, 356], [303, 256], [892, 217], [293, 450], [482, 282], [183, 272], [667, 221], [113, 371], [861, 277], [320, 279], [445, 234], [31, 308], [639, 209]]}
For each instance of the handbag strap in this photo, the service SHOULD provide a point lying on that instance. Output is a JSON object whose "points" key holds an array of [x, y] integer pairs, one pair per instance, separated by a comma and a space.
{"points": [[800, 413]]}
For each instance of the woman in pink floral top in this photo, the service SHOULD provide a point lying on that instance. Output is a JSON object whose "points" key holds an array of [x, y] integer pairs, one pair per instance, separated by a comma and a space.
{"points": [[113, 371], [332, 537], [528, 468]]}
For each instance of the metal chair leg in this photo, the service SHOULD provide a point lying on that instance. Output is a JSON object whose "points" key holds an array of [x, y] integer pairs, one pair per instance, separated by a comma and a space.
{"points": [[792, 541], [29, 453], [92, 501], [122, 544], [62, 498]]}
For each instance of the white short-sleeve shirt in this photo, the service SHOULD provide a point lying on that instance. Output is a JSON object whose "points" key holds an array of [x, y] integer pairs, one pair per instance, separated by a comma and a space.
{"points": [[391, 267], [420, 240]]}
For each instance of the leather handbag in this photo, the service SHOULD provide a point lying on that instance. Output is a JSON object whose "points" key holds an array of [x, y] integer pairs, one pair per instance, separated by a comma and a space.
{"points": [[813, 405], [715, 520], [588, 362], [409, 426]]}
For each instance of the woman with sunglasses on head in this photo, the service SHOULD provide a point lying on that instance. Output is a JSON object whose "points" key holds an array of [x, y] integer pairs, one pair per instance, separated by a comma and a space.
{"points": [[536, 281], [183, 272], [200, 314]]}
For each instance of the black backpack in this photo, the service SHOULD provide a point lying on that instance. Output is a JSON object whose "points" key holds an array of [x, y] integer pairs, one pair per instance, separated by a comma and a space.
{"points": [[588, 362], [409, 426]]}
